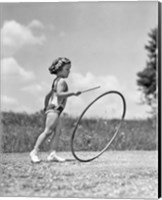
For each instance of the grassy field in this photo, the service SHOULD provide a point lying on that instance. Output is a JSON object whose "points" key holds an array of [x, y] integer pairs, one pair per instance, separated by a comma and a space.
{"points": [[115, 174], [20, 131]]}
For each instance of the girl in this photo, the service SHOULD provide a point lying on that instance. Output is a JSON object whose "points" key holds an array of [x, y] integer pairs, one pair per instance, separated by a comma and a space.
{"points": [[55, 102]]}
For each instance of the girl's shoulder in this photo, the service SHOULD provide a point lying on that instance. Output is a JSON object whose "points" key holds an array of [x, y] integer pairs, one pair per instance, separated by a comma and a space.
{"points": [[62, 84], [62, 81]]}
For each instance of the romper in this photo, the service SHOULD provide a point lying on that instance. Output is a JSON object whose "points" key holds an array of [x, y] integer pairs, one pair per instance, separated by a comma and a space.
{"points": [[56, 105]]}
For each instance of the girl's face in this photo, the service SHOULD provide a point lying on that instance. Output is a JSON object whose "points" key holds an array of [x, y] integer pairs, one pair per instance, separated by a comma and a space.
{"points": [[64, 73]]}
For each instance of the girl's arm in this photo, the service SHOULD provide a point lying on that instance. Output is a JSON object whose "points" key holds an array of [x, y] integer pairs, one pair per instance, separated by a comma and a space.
{"points": [[65, 94], [47, 99], [68, 94]]}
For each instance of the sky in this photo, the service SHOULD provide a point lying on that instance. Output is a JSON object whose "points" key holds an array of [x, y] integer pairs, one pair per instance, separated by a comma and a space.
{"points": [[104, 41]]}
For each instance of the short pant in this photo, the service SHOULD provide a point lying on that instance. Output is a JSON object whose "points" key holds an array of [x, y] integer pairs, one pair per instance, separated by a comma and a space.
{"points": [[53, 108]]}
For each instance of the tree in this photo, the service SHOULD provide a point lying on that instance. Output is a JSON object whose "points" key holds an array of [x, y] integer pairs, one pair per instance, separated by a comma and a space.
{"points": [[147, 79]]}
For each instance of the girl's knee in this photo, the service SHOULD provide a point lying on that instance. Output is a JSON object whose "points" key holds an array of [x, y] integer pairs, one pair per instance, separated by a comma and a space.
{"points": [[48, 132]]}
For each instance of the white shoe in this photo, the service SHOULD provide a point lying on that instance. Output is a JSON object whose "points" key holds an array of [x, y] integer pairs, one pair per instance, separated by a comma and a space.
{"points": [[54, 157], [34, 156]]}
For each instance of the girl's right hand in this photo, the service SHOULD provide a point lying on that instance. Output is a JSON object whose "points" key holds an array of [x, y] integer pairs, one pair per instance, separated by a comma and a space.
{"points": [[77, 93]]}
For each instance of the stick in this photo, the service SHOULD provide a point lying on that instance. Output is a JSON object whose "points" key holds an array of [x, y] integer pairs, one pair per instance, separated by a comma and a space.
{"points": [[94, 88]]}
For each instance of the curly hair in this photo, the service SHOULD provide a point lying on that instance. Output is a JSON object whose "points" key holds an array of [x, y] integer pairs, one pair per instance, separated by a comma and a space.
{"points": [[58, 64]]}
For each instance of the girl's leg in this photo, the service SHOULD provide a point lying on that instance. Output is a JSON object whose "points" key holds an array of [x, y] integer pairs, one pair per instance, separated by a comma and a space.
{"points": [[51, 122], [54, 144], [55, 137]]}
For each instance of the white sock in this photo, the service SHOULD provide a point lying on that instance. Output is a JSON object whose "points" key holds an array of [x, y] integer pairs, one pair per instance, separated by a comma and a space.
{"points": [[36, 150], [53, 153]]}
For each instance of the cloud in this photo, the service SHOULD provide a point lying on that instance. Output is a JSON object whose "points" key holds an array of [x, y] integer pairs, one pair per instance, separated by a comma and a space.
{"points": [[41, 88], [15, 35], [12, 104], [8, 101], [10, 67], [135, 96], [36, 24], [110, 106], [36, 88], [78, 81], [33, 89]]}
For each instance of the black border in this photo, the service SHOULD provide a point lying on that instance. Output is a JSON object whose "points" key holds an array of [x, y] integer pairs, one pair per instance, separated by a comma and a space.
{"points": [[159, 99]]}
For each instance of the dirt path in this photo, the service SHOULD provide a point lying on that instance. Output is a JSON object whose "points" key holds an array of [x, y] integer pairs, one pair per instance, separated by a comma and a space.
{"points": [[127, 174]]}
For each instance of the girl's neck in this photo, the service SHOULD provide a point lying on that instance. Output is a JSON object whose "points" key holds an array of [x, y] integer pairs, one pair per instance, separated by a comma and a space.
{"points": [[58, 77]]}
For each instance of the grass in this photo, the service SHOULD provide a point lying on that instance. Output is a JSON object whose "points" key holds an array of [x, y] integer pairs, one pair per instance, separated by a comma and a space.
{"points": [[115, 174], [20, 131]]}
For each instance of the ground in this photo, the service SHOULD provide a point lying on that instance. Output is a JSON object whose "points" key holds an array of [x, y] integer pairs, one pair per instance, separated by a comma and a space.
{"points": [[115, 174]]}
